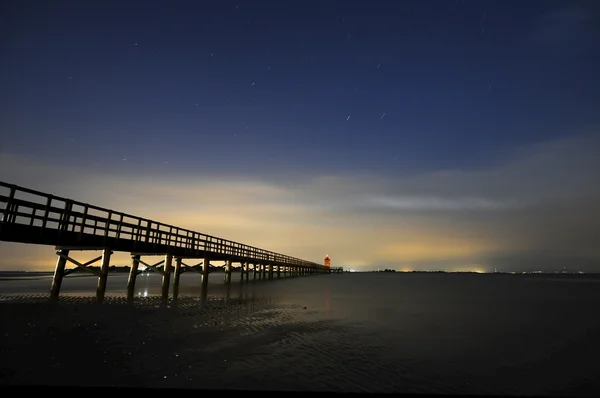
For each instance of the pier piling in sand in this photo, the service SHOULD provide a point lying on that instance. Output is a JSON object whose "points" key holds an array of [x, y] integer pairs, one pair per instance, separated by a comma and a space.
{"points": [[133, 272], [166, 276], [59, 273], [228, 272], [176, 273]]}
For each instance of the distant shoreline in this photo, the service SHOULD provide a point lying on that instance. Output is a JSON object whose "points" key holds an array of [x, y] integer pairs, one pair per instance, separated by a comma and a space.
{"points": [[29, 275]]}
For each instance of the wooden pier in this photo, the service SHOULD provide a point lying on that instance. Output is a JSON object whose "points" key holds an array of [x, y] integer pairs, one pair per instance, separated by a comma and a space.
{"points": [[29, 216]]}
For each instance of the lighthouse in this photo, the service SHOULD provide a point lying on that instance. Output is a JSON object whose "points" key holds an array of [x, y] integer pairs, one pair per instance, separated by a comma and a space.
{"points": [[327, 261]]}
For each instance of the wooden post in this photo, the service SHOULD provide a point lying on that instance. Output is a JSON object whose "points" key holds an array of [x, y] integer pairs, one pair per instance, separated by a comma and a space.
{"points": [[242, 270], [279, 271], [166, 276], [135, 263], [176, 274], [100, 292], [228, 272], [254, 271], [270, 271], [205, 269], [59, 273], [204, 288]]}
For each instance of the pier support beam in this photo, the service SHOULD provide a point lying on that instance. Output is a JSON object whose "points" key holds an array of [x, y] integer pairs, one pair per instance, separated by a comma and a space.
{"points": [[270, 271], [205, 269], [133, 273], [100, 292], [59, 273], [166, 276], [176, 274], [204, 288], [228, 272]]}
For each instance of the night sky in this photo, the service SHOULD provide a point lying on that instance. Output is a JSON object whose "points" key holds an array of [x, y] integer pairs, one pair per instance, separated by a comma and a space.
{"points": [[458, 135]]}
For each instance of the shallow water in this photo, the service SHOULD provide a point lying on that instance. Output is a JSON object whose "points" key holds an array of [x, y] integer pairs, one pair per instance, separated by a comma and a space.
{"points": [[409, 333]]}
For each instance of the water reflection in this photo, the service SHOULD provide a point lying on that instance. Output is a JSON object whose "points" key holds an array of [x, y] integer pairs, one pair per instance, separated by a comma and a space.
{"points": [[204, 290], [149, 285], [227, 292]]}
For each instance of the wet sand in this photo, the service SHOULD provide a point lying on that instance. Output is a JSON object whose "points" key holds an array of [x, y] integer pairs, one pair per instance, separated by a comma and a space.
{"points": [[433, 334]]}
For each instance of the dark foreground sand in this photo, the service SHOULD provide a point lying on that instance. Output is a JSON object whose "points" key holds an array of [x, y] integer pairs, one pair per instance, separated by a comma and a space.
{"points": [[364, 333], [149, 343], [78, 341]]}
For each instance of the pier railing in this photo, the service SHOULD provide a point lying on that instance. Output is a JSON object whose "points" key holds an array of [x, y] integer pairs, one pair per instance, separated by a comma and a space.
{"points": [[38, 210]]}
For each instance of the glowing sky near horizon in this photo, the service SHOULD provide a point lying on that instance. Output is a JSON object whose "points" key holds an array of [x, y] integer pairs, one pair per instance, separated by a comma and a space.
{"points": [[407, 135]]}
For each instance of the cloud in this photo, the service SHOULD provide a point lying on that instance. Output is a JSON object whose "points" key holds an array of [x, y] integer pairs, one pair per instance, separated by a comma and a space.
{"points": [[438, 203], [538, 209]]}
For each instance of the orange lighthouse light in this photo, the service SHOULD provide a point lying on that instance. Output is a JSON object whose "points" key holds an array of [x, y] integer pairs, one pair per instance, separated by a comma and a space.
{"points": [[327, 261]]}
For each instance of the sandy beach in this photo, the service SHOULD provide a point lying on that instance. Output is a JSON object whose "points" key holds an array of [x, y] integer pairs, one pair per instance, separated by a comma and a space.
{"points": [[348, 333]]}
